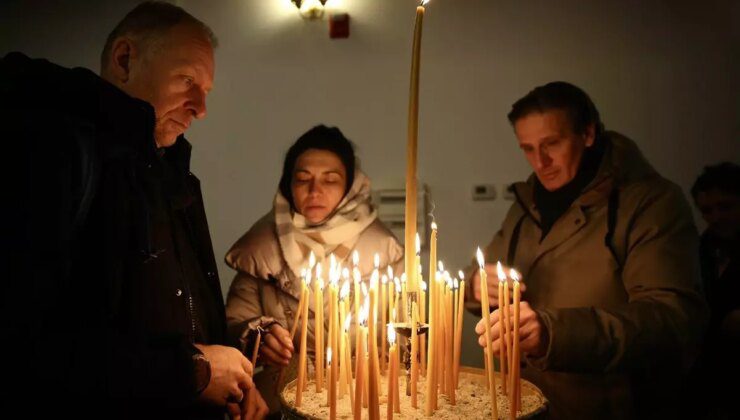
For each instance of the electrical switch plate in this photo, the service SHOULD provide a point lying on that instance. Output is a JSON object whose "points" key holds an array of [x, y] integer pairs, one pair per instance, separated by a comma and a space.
{"points": [[484, 192]]}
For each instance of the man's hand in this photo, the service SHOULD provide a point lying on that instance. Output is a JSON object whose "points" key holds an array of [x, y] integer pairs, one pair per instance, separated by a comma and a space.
{"points": [[277, 348], [253, 407], [492, 280], [533, 336], [231, 375]]}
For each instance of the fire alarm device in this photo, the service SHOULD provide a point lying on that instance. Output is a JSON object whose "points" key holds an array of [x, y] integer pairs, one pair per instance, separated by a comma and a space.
{"points": [[339, 25]]}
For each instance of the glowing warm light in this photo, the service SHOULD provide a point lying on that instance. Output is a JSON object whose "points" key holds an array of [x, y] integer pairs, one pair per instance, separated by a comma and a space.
{"points": [[374, 279], [311, 260], [514, 275], [345, 273], [384, 279], [344, 292], [455, 284], [390, 272], [424, 2], [423, 285], [434, 226], [461, 275], [376, 260], [364, 289], [479, 256], [397, 282], [347, 322], [307, 279], [440, 266], [403, 278], [328, 355], [500, 271], [418, 244], [318, 271], [355, 258], [391, 335]]}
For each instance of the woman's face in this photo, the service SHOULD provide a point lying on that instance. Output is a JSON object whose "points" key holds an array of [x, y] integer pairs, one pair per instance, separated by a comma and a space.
{"points": [[318, 184]]}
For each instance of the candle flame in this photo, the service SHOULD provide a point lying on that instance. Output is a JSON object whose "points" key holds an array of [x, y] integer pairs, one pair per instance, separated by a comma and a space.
{"points": [[398, 284], [434, 226], [344, 292], [347, 322], [332, 261], [423, 285], [311, 259], [355, 258], [424, 2], [364, 289], [440, 266], [345, 273], [376, 260], [328, 355], [418, 244], [303, 272], [391, 335], [515, 275], [364, 312], [318, 271], [403, 278], [455, 284], [390, 272], [356, 275], [374, 279], [320, 283], [307, 279], [384, 279], [500, 271], [460, 275], [479, 256]]}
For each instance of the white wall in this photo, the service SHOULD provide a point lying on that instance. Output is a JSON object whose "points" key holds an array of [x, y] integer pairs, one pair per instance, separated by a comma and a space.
{"points": [[664, 73]]}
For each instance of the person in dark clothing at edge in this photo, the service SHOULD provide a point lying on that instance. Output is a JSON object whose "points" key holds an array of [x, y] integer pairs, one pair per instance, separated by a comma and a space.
{"points": [[611, 311], [716, 194], [112, 306]]}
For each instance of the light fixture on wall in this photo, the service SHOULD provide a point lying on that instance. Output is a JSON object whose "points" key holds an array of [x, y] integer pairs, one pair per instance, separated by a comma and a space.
{"points": [[310, 9]]}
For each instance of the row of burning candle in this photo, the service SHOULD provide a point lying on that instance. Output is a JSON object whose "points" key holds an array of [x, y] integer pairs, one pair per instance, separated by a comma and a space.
{"points": [[445, 305], [509, 355]]}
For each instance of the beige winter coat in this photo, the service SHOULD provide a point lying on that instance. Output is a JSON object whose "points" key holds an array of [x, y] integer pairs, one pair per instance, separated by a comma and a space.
{"points": [[265, 286], [623, 325]]}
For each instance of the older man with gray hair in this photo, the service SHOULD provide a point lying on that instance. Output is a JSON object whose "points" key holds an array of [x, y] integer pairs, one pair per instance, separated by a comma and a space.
{"points": [[107, 233]]}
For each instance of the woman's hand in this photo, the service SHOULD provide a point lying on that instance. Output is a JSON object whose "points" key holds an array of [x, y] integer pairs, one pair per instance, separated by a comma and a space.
{"points": [[277, 348]]}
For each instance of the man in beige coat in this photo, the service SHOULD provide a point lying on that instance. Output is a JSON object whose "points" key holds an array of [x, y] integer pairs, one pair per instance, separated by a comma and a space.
{"points": [[610, 312]]}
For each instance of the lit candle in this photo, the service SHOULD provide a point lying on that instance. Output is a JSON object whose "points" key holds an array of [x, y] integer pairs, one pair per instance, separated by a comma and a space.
{"points": [[347, 361], [459, 325], [392, 385], [373, 347], [304, 341], [359, 368], [343, 297], [319, 329], [383, 313], [404, 297], [256, 349], [333, 280], [332, 394], [414, 353], [515, 382], [411, 146], [503, 332], [485, 308], [423, 320], [431, 357], [506, 312], [449, 340]]}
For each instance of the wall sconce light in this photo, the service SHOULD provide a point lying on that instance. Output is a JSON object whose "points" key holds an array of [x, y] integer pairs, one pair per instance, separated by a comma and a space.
{"points": [[310, 9]]}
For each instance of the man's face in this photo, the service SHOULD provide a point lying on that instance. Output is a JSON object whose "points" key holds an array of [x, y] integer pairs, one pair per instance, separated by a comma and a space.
{"points": [[552, 148], [174, 74], [721, 211]]}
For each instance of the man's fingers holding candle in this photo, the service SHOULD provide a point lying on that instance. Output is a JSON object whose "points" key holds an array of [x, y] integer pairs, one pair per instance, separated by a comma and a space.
{"points": [[532, 334], [274, 353]]}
